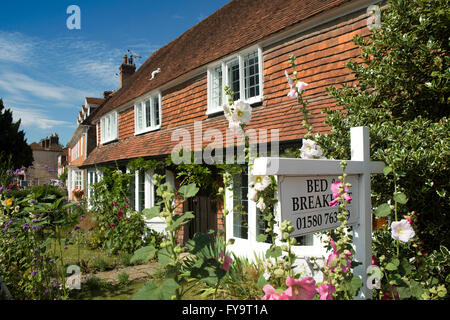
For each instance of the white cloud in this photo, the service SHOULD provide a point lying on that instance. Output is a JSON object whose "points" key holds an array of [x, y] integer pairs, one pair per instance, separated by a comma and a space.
{"points": [[14, 47], [37, 118], [21, 85]]}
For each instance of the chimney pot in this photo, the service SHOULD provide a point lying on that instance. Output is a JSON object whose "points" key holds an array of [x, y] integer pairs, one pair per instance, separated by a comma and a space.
{"points": [[124, 59]]}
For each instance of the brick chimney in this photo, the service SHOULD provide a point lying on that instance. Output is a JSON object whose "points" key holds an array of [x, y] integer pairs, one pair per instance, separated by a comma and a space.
{"points": [[54, 139], [127, 69], [106, 94]]}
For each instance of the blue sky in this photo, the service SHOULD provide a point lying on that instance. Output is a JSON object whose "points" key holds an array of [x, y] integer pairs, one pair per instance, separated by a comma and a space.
{"points": [[46, 70]]}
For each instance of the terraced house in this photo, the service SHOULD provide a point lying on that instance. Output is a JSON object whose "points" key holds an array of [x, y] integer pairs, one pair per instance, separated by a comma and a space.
{"points": [[245, 45]]}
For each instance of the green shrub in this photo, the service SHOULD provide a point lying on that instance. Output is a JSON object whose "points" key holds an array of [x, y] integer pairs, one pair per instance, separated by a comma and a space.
{"points": [[402, 96]]}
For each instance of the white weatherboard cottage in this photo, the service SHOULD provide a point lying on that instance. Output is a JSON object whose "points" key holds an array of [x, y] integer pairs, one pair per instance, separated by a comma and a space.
{"points": [[303, 188]]}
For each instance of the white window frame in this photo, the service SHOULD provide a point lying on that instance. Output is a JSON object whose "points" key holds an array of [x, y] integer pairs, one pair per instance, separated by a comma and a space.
{"points": [[97, 178], [143, 128], [77, 181], [211, 109], [250, 246], [109, 127]]}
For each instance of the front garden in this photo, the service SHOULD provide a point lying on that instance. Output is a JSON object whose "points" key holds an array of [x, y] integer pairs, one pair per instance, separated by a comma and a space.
{"points": [[402, 97]]}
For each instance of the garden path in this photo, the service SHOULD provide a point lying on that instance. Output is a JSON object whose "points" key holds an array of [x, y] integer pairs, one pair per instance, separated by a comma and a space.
{"points": [[134, 273]]}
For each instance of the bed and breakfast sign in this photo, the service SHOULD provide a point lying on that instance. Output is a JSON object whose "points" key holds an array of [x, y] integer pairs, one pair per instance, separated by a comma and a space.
{"points": [[304, 193], [305, 202]]}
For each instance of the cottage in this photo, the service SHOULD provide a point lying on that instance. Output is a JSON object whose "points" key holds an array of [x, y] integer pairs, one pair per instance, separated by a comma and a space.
{"points": [[245, 45]]}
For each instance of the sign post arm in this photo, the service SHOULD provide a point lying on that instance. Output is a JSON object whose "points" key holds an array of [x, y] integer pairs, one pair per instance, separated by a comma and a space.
{"points": [[362, 232]]}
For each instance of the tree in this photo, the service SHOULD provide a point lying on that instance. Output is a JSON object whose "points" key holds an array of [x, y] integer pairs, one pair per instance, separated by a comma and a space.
{"points": [[402, 95], [12, 142]]}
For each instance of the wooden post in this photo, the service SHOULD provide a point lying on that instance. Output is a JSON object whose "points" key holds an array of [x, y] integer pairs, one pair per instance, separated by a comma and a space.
{"points": [[362, 232]]}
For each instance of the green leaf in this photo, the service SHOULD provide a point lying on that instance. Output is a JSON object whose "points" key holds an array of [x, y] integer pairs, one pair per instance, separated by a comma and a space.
{"points": [[164, 257], [273, 252], [180, 220], [393, 264], [198, 242], [354, 285], [416, 289], [152, 291], [152, 212], [261, 281], [143, 254], [262, 238], [404, 292], [387, 170], [383, 210], [400, 198], [444, 250], [188, 191]]}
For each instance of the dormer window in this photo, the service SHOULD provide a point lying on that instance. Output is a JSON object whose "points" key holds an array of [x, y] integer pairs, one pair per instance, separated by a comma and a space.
{"points": [[242, 73], [148, 114], [108, 127]]}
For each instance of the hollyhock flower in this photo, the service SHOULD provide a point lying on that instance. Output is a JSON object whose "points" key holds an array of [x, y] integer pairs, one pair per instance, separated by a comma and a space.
{"points": [[304, 289], [325, 291], [292, 92], [242, 112], [335, 255], [301, 86], [261, 205], [120, 214], [335, 188], [333, 202], [310, 150], [402, 230], [252, 194], [226, 261], [259, 182], [270, 293]]}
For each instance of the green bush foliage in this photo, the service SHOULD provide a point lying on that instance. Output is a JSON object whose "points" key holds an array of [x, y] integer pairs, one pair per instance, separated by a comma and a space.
{"points": [[402, 95]]}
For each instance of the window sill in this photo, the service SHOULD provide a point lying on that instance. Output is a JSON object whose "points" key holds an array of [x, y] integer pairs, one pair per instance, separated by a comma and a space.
{"points": [[147, 130], [108, 141], [253, 102]]}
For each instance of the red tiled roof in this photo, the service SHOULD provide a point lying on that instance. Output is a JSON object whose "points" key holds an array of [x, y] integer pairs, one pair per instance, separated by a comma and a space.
{"points": [[37, 147], [238, 24], [94, 101]]}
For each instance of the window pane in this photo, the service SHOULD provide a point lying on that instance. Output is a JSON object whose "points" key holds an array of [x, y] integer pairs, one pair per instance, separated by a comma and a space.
{"points": [[251, 75], [233, 78], [141, 190], [156, 110], [240, 206], [133, 192], [148, 114], [138, 117], [216, 93]]}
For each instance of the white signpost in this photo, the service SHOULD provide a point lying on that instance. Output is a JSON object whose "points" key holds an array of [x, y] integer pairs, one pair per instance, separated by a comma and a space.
{"points": [[304, 194]]}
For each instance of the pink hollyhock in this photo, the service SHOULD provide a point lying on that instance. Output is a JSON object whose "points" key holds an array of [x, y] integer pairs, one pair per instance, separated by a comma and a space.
{"points": [[301, 86], [270, 293], [335, 255], [335, 188], [292, 92], [388, 294], [120, 214], [333, 202], [304, 289], [325, 291], [227, 261]]}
